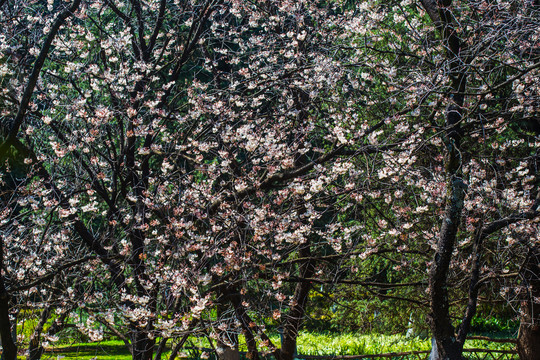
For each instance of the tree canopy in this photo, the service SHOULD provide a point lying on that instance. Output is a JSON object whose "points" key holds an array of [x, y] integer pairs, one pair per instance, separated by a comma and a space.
{"points": [[173, 167]]}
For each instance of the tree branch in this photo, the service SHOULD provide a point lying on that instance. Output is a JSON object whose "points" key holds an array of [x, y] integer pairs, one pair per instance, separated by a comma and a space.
{"points": [[36, 70], [53, 274]]}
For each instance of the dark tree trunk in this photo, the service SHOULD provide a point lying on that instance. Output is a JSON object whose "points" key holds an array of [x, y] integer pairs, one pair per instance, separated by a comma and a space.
{"points": [[160, 348], [296, 313], [225, 338], [142, 346], [447, 345], [440, 321], [177, 347], [230, 353], [241, 315], [8, 343], [528, 344], [35, 350]]}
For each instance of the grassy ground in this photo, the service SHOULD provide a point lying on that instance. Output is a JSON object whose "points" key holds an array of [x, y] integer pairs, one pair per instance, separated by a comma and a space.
{"points": [[355, 344], [104, 350], [308, 344]]}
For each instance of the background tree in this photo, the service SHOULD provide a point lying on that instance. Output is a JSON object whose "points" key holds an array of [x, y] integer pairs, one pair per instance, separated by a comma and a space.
{"points": [[174, 169], [465, 112]]}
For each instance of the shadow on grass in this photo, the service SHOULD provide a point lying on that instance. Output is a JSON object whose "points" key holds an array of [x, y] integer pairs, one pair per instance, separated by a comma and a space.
{"points": [[116, 349], [101, 351]]}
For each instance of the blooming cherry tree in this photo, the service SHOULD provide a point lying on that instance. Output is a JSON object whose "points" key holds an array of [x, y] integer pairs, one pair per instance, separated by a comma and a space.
{"points": [[191, 168]]}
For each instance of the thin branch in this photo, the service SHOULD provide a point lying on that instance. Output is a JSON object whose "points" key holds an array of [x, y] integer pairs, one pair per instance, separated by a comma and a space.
{"points": [[53, 274], [36, 70], [115, 332], [157, 28], [117, 11]]}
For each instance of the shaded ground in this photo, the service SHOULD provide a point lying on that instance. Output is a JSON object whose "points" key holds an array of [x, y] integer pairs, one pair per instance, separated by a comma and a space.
{"points": [[105, 350]]}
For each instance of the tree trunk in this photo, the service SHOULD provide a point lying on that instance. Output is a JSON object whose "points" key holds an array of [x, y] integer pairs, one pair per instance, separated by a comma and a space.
{"points": [[240, 312], [447, 345], [160, 348], [230, 353], [296, 313], [176, 349], [35, 350], [528, 345], [226, 338], [440, 321], [8, 343], [142, 345]]}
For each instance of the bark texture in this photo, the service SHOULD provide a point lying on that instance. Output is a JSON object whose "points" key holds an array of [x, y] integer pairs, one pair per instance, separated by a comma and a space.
{"points": [[528, 344], [8, 344], [297, 311], [440, 321], [447, 345]]}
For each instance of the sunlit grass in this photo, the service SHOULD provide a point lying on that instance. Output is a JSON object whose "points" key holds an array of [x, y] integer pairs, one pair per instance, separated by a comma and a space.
{"points": [[308, 344], [356, 344], [359, 344], [103, 350]]}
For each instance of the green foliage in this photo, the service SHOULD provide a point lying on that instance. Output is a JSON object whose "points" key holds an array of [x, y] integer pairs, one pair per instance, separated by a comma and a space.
{"points": [[356, 344], [493, 324]]}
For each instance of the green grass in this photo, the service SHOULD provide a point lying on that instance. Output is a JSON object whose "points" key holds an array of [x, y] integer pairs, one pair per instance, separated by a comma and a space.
{"points": [[105, 350], [308, 344], [358, 344]]}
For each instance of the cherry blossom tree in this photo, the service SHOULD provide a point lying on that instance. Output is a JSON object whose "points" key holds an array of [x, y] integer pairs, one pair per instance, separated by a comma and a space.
{"points": [[193, 167], [180, 157], [463, 78]]}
